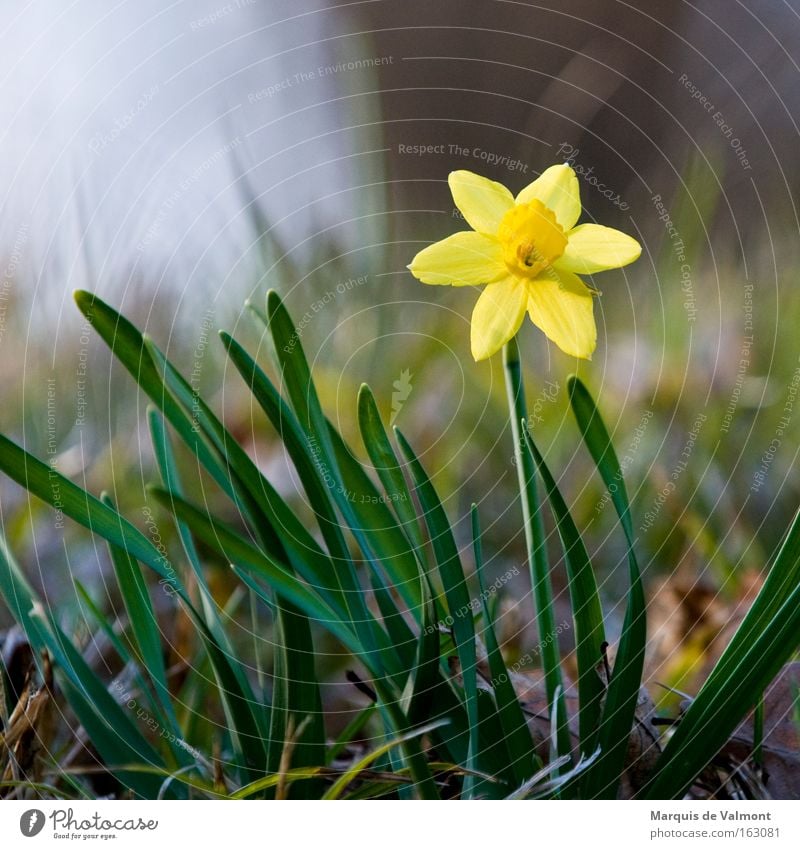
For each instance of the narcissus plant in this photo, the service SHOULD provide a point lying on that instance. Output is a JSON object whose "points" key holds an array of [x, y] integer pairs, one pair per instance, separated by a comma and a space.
{"points": [[529, 253]]}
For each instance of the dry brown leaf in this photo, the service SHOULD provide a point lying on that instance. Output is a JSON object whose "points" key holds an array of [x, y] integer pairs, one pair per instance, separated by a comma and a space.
{"points": [[31, 727]]}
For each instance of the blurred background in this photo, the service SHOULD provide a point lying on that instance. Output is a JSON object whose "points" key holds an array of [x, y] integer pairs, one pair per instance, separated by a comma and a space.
{"points": [[179, 159]]}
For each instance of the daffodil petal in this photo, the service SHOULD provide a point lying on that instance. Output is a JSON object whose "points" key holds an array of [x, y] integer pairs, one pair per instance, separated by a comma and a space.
{"points": [[557, 188], [562, 306], [463, 259], [592, 248], [482, 202], [497, 316]]}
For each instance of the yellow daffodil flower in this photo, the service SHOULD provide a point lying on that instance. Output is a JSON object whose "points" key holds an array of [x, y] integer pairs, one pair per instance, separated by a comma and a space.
{"points": [[529, 252]]}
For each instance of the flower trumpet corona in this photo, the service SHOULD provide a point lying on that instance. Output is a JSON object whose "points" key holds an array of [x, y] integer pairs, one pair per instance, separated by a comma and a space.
{"points": [[529, 253]]}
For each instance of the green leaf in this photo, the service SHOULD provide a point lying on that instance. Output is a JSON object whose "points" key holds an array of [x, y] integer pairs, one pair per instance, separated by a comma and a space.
{"points": [[455, 588], [388, 705], [400, 634], [345, 598], [296, 442], [296, 694], [373, 529], [168, 470], [729, 693], [781, 582], [376, 525], [296, 689], [587, 613], [53, 488], [133, 663], [193, 421], [223, 651], [127, 345], [626, 678], [244, 714], [109, 726], [216, 450], [143, 623], [524, 761], [237, 550], [317, 487], [251, 491], [388, 467], [389, 700], [280, 531], [175, 739], [99, 518], [422, 683]]}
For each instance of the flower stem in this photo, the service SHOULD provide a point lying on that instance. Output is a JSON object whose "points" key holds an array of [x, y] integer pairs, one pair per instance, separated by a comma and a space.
{"points": [[537, 551]]}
